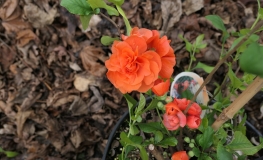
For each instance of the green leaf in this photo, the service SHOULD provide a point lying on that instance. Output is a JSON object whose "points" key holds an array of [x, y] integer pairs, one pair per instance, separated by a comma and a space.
{"points": [[196, 151], [84, 19], [158, 136], [241, 143], [199, 39], [203, 66], [134, 130], [139, 118], [217, 22], [201, 46], [204, 125], [107, 40], [188, 45], [235, 82], [222, 153], [125, 19], [101, 4], [205, 140], [170, 141], [143, 153], [251, 59], [130, 100], [136, 139], [152, 105], [141, 104], [11, 154], [150, 127], [117, 2], [79, 7], [260, 13]]}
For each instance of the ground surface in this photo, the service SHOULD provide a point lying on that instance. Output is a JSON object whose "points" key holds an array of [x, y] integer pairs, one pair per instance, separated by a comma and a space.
{"points": [[55, 100]]}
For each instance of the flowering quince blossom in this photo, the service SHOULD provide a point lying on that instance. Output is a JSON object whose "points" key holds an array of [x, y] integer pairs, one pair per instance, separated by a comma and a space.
{"points": [[160, 87], [181, 155], [138, 61], [175, 108], [174, 117], [193, 122]]}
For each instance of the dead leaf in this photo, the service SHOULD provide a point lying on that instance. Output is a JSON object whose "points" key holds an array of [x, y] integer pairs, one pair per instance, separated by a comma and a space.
{"points": [[21, 118], [37, 17], [171, 13], [90, 56], [8, 9], [191, 6], [78, 107], [76, 138], [7, 57], [82, 82], [24, 37]]}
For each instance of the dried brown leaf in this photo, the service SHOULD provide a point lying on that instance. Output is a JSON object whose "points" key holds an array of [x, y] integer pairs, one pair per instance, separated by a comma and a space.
{"points": [[171, 13], [21, 118], [38, 17], [8, 9], [78, 107], [89, 57], [76, 138], [191, 6], [7, 57], [24, 37]]}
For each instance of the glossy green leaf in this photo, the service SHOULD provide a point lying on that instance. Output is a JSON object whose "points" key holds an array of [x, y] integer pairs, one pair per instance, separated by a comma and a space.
{"points": [[251, 59], [205, 140], [152, 105], [126, 21], [196, 151], [260, 13], [143, 153], [117, 2], [217, 22], [107, 40], [101, 4], [199, 39], [222, 153], [84, 19], [158, 136], [188, 45], [141, 104], [11, 154], [170, 141], [79, 7], [241, 143], [134, 130], [130, 100], [235, 82], [150, 127], [203, 66]]}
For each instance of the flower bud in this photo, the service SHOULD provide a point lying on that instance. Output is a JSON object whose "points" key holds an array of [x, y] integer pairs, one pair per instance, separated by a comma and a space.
{"points": [[168, 99], [187, 139], [191, 145], [160, 105], [191, 154]]}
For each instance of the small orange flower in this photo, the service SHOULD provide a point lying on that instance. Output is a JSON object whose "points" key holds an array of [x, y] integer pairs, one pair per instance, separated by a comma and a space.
{"points": [[131, 67], [160, 87], [160, 46], [193, 122], [181, 155]]}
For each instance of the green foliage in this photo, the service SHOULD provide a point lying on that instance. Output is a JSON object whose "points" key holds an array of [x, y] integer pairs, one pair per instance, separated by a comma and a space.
{"points": [[218, 24], [126, 21], [251, 59], [107, 40], [206, 68], [222, 153], [101, 4], [117, 2], [205, 140], [235, 82], [241, 143], [169, 141], [81, 8], [9, 154]]}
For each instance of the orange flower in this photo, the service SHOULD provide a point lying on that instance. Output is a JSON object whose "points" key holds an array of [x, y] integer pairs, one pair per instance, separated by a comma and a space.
{"points": [[194, 110], [193, 122], [160, 87], [173, 117], [131, 67], [160, 46], [181, 155]]}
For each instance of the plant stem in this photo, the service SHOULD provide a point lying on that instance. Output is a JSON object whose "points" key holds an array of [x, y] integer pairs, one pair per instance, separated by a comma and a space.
{"points": [[155, 152], [118, 28], [229, 112], [219, 63]]}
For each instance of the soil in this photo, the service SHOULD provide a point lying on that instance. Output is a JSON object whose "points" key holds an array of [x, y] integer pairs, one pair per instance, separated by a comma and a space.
{"points": [[55, 100]]}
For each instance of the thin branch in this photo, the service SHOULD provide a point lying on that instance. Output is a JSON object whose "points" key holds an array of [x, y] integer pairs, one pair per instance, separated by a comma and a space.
{"points": [[230, 52], [118, 28]]}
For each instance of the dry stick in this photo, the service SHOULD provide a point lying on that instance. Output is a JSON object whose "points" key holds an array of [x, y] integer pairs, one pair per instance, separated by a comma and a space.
{"points": [[118, 28], [219, 63], [155, 152], [239, 102]]}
